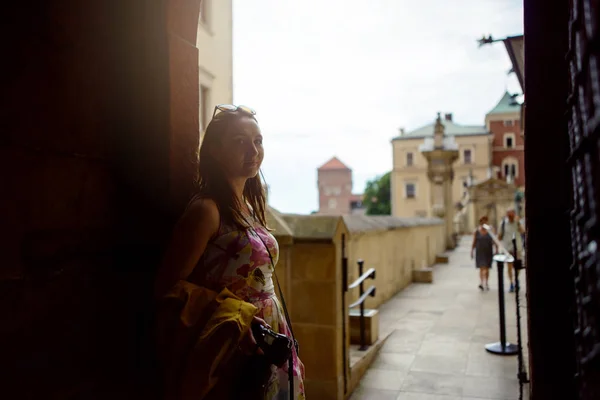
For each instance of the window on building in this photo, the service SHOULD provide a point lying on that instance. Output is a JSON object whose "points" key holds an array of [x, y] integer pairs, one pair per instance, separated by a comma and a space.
{"points": [[332, 204], [509, 140], [467, 155], [510, 168], [411, 190], [508, 122], [204, 12], [204, 106], [336, 190], [409, 159]]}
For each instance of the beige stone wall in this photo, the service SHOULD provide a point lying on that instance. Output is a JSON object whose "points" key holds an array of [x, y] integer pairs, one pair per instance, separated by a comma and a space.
{"points": [[393, 254], [310, 276], [310, 273], [492, 198], [215, 47], [284, 269], [480, 147], [494, 213], [417, 174]]}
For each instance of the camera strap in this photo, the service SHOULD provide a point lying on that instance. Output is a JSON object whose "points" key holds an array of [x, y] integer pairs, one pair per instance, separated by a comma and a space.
{"points": [[285, 311], [287, 317]]}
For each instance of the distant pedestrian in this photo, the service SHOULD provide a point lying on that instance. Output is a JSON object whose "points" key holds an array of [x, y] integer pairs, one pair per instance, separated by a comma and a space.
{"points": [[511, 227], [483, 250]]}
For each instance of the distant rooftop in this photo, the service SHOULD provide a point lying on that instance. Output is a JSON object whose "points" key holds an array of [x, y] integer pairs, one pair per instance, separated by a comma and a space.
{"points": [[334, 163], [507, 104], [450, 129]]}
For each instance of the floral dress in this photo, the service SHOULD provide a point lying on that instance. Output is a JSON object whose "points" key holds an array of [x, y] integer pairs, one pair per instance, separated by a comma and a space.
{"points": [[238, 260]]}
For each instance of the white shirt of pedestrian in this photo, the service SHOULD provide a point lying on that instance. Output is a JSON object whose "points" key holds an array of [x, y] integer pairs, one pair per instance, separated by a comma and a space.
{"points": [[510, 229]]}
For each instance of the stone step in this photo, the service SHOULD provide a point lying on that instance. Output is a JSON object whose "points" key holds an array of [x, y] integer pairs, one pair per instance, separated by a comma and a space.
{"points": [[442, 258], [371, 326], [422, 275]]}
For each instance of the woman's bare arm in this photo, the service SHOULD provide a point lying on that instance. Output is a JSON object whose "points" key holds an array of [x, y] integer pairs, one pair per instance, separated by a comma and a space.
{"points": [[188, 242]]}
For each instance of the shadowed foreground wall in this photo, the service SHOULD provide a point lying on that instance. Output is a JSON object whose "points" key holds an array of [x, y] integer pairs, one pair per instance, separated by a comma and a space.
{"points": [[97, 155]]}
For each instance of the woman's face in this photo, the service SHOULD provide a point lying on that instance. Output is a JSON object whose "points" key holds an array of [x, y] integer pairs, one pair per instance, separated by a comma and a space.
{"points": [[240, 151]]}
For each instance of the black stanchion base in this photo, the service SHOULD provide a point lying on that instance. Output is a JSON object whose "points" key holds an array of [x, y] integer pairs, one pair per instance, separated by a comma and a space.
{"points": [[508, 350]]}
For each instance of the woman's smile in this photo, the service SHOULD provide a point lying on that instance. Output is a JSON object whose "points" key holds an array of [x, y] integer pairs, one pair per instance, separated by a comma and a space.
{"points": [[251, 164]]}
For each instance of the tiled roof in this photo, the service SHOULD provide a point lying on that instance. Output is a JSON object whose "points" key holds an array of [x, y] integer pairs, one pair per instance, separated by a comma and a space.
{"points": [[450, 129], [506, 105], [334, 163]]}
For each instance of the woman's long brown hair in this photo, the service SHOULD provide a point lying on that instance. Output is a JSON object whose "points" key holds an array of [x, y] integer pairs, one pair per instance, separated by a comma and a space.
{"points": [[212, 182]]}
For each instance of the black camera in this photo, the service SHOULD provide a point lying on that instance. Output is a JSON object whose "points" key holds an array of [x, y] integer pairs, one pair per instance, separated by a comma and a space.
{"points": [[277, 347]]}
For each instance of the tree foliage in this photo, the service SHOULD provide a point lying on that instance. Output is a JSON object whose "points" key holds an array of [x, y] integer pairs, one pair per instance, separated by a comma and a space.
{"points": [[377, 196]]}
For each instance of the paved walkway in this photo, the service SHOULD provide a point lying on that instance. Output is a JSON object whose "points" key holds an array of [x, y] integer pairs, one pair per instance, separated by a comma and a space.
{"points": [[438, 331]]}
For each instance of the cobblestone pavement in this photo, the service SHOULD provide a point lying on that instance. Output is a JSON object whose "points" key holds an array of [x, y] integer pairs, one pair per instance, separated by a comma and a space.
{"points": [[438, 332]]}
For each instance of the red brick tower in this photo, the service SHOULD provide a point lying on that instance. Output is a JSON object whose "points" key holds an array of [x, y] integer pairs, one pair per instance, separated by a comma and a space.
{"points": [[335, 188]]}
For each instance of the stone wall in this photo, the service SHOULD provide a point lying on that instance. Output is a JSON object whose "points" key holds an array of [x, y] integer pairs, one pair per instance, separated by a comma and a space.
{"points": [[393, 246], [491, 198], [310, 273]]}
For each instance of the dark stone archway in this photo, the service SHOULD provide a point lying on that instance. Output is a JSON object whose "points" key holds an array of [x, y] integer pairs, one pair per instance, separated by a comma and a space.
{"points": [[98, 154], [550, 285]]}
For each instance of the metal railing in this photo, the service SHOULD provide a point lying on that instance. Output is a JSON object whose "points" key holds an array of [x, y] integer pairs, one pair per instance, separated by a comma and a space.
{"points": [[370, 274]]}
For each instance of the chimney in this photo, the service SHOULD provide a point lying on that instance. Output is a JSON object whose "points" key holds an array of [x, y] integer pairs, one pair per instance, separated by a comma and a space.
{"points": [[448, 117], [401, 131]]}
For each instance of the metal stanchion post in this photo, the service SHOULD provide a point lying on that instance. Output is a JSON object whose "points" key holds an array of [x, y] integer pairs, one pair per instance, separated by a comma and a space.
{"points": [[521, 374], [501, 347]]}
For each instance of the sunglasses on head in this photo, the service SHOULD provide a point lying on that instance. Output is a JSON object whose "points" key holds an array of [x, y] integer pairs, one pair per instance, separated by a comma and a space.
{"points": [[231, 108]]}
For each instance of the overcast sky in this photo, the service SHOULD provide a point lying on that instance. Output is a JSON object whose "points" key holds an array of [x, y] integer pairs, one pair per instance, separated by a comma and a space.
{"points": [[339, 77]]}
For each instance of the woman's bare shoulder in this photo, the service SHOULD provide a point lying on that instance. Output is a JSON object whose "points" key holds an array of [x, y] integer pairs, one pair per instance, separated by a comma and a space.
{"points": [[203, 205], [203, 211]]}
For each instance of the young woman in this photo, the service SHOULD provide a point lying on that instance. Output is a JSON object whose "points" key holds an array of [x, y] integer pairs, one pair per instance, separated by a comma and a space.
{"points": [[483, 249], [222, 242]]}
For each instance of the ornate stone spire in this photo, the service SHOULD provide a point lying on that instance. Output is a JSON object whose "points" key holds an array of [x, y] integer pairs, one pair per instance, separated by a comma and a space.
{"points": [[441, 152]]}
